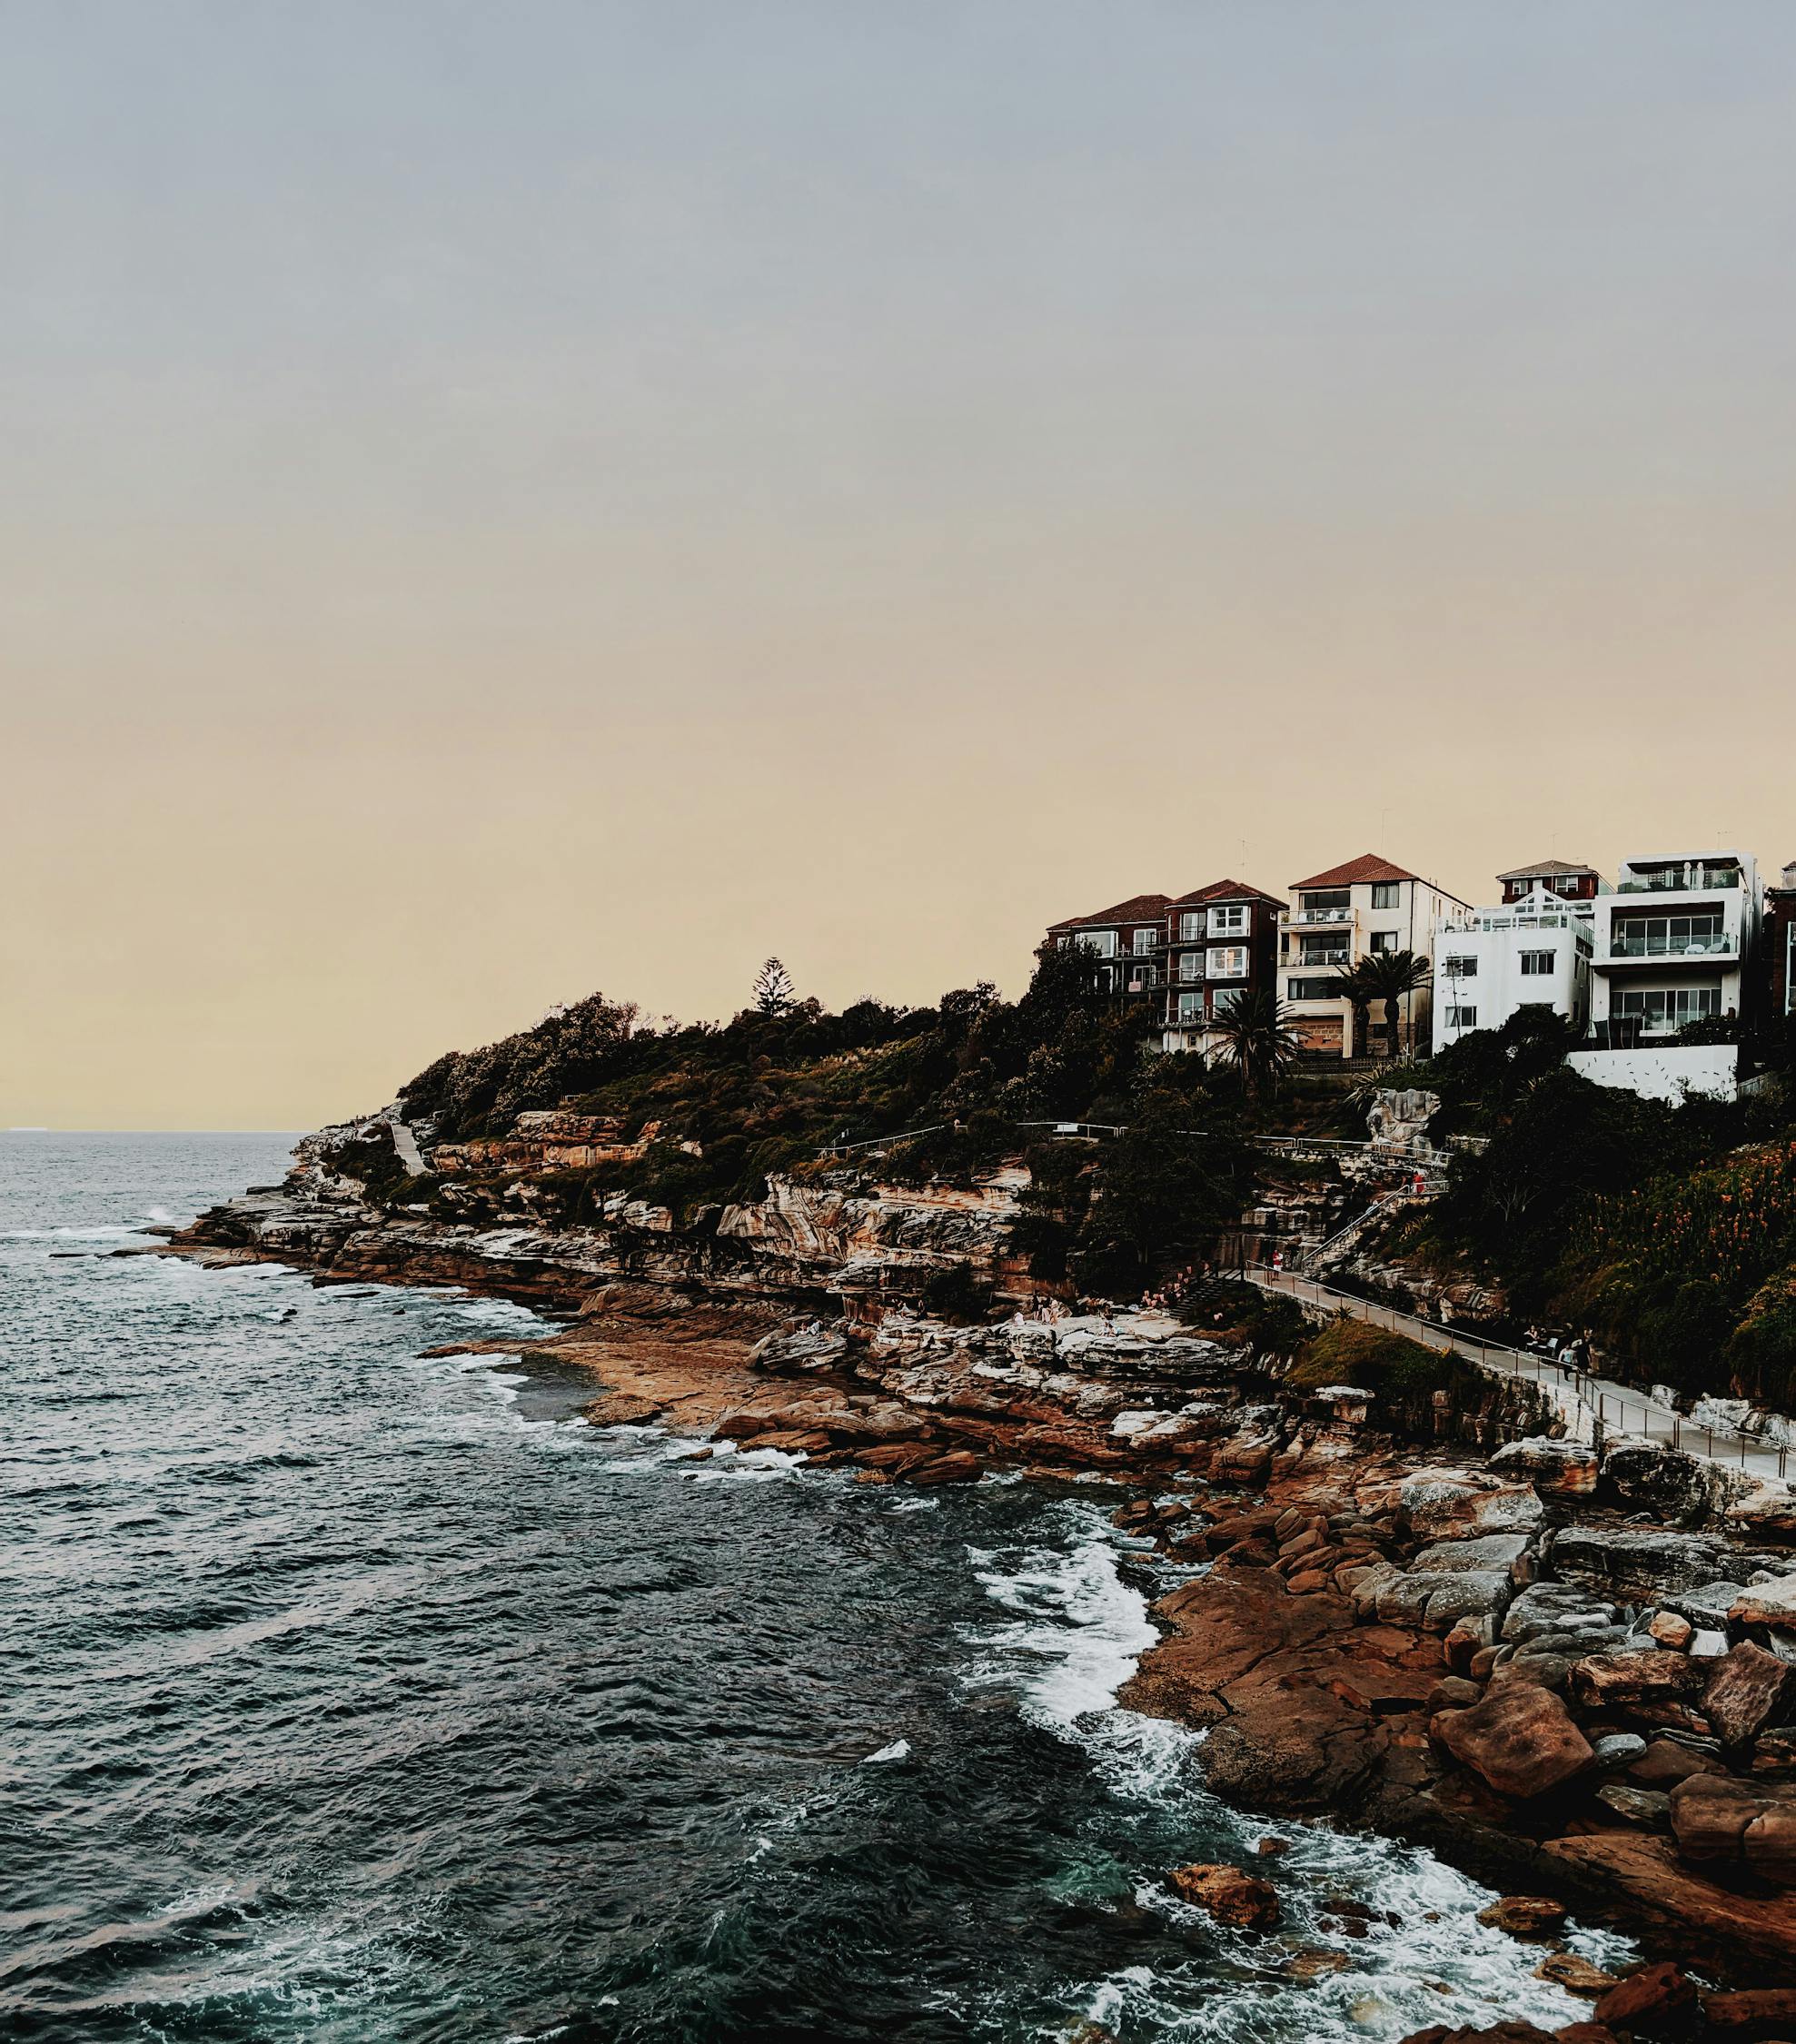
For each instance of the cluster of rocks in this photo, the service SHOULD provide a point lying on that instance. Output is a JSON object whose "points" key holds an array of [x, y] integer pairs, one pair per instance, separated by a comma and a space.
{"points": [[1504, 1662]]}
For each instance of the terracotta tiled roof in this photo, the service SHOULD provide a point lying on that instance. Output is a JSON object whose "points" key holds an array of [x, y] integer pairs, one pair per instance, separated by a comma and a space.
{"points": [[1137, 908], [1368, 866], [1225, 891], [1544, 866]]}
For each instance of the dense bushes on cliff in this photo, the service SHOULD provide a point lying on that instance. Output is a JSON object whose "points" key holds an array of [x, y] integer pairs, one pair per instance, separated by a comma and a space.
{"points": [[1667, 1232], [960, 1082]]}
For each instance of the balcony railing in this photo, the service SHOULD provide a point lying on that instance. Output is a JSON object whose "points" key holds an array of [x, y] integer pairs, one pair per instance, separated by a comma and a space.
{"points": [[1685, 880], [1672, 948], [1292, 917], [1336, 955]]}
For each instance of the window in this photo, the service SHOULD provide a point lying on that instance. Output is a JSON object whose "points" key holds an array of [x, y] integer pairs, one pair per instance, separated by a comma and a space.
{"points": [[1329, 949], [1141, 977], [1101, 942], [1311, 990], [1654, 937], [1462, 1018], [1230, 963], [1191, 964], [1383, 940], [1324, 900], [1537, 962], [1660, 1010], [1191, 927], [1459, 968], [1229, 920], [1190, 1008], [1146, 940], [1385, 894], [1106, 979]]}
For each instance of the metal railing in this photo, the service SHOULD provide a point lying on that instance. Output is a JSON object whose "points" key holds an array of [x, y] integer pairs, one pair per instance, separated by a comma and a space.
{"points": [[1292, 918], [1683, 879], [1594, 1407], [1664, 948]]}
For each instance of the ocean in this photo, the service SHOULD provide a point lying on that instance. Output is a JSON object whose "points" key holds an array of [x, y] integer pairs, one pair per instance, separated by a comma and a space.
{"points": [[355, 1697]]}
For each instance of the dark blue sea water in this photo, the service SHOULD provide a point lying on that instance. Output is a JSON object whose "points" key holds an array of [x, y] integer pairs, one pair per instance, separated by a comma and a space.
{"points": [[353, 1697]]}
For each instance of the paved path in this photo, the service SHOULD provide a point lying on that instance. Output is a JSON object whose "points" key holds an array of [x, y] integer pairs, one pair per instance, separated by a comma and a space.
{"points": [[406, 1144], [1587, 1401]]}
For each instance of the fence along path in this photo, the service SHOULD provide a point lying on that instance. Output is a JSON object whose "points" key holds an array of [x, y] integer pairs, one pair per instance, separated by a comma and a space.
{"points": [[1592, 1406]]}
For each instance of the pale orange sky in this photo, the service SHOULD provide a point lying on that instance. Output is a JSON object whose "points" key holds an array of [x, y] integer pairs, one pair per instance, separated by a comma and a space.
{"points": [[503, 502]]}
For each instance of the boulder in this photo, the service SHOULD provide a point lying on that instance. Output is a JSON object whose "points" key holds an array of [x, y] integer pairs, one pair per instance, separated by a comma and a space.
{"points": [[1438, 1601], [1648, 1808], [1672, 1628], [1760, 1507], [959, 1466], [1637, 1564], [1659, 2000], [1691, 1912], [1706, 1605], [1649, 1476], [1752, 2012], [1716, 1818], [1526, 1916], [1619, 1748], [1233, 1897], [1575, 1975], [1747, 1689], [1490, 1551], [1556, 1469], [807, 1352], [1462, 1507], [1603, 1681], [1770, 1606], [1557, 1609], [1521, 1740], [1664, 1764], [621, 1408]]}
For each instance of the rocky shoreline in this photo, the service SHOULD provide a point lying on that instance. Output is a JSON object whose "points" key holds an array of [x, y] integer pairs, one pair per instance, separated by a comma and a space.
{"points": [[1571, 1672]]}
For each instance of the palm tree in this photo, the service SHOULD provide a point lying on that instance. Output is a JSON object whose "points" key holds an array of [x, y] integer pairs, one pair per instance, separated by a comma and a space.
{"points": [[1255, 1035], [1389, 976], [1351, 983]]}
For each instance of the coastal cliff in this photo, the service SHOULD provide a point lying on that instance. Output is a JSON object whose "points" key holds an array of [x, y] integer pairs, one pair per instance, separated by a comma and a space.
{"points": [[1436, 1619]]}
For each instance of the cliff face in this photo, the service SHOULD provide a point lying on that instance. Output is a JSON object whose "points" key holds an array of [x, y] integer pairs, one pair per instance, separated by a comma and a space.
{"points": [[485, 1217]]}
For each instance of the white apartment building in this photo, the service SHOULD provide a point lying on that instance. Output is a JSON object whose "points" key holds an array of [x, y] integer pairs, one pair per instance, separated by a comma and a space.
{"points": [[1532, 948], [1348, 913], [1674, 943]]}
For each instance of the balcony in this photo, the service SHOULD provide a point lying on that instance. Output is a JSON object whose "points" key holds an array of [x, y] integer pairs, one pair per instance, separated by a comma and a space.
{"points": [[1336, 955], [1298, 918], [1722, 947], [1682, 880]]}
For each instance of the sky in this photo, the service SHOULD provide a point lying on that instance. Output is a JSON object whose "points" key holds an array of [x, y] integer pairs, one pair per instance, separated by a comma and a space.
{"points": [[504, 502]]}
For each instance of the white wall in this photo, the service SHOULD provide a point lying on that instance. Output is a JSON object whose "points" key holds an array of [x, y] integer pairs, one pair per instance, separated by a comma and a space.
{"points": [[1665, 1072]]}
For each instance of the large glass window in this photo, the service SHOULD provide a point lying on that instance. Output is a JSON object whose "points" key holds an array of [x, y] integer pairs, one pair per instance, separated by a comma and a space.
{"points": [[1230, 963], [1191, 964], [1462, 1018], [1537, 962], [1322, 901], [1460, 967], [1101, 941], [1190, 1008], [1330, 949], [1653, 937], [1229, 920], [1385, 894], [1660, 1010], [1147, 941], [1191, 927], [1311, 990]]}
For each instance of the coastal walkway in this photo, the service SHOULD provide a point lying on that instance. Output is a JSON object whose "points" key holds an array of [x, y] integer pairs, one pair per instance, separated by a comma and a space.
{"points": [[1592, 1406]]}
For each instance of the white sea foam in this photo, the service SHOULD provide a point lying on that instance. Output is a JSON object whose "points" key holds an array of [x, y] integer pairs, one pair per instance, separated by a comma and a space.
{"points": [[899, 1749], [1077, 1631], [1072, 1637]]}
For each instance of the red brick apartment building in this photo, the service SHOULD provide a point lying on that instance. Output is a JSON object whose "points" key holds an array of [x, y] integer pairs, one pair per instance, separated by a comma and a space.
{"points": [[1181, 957]]}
